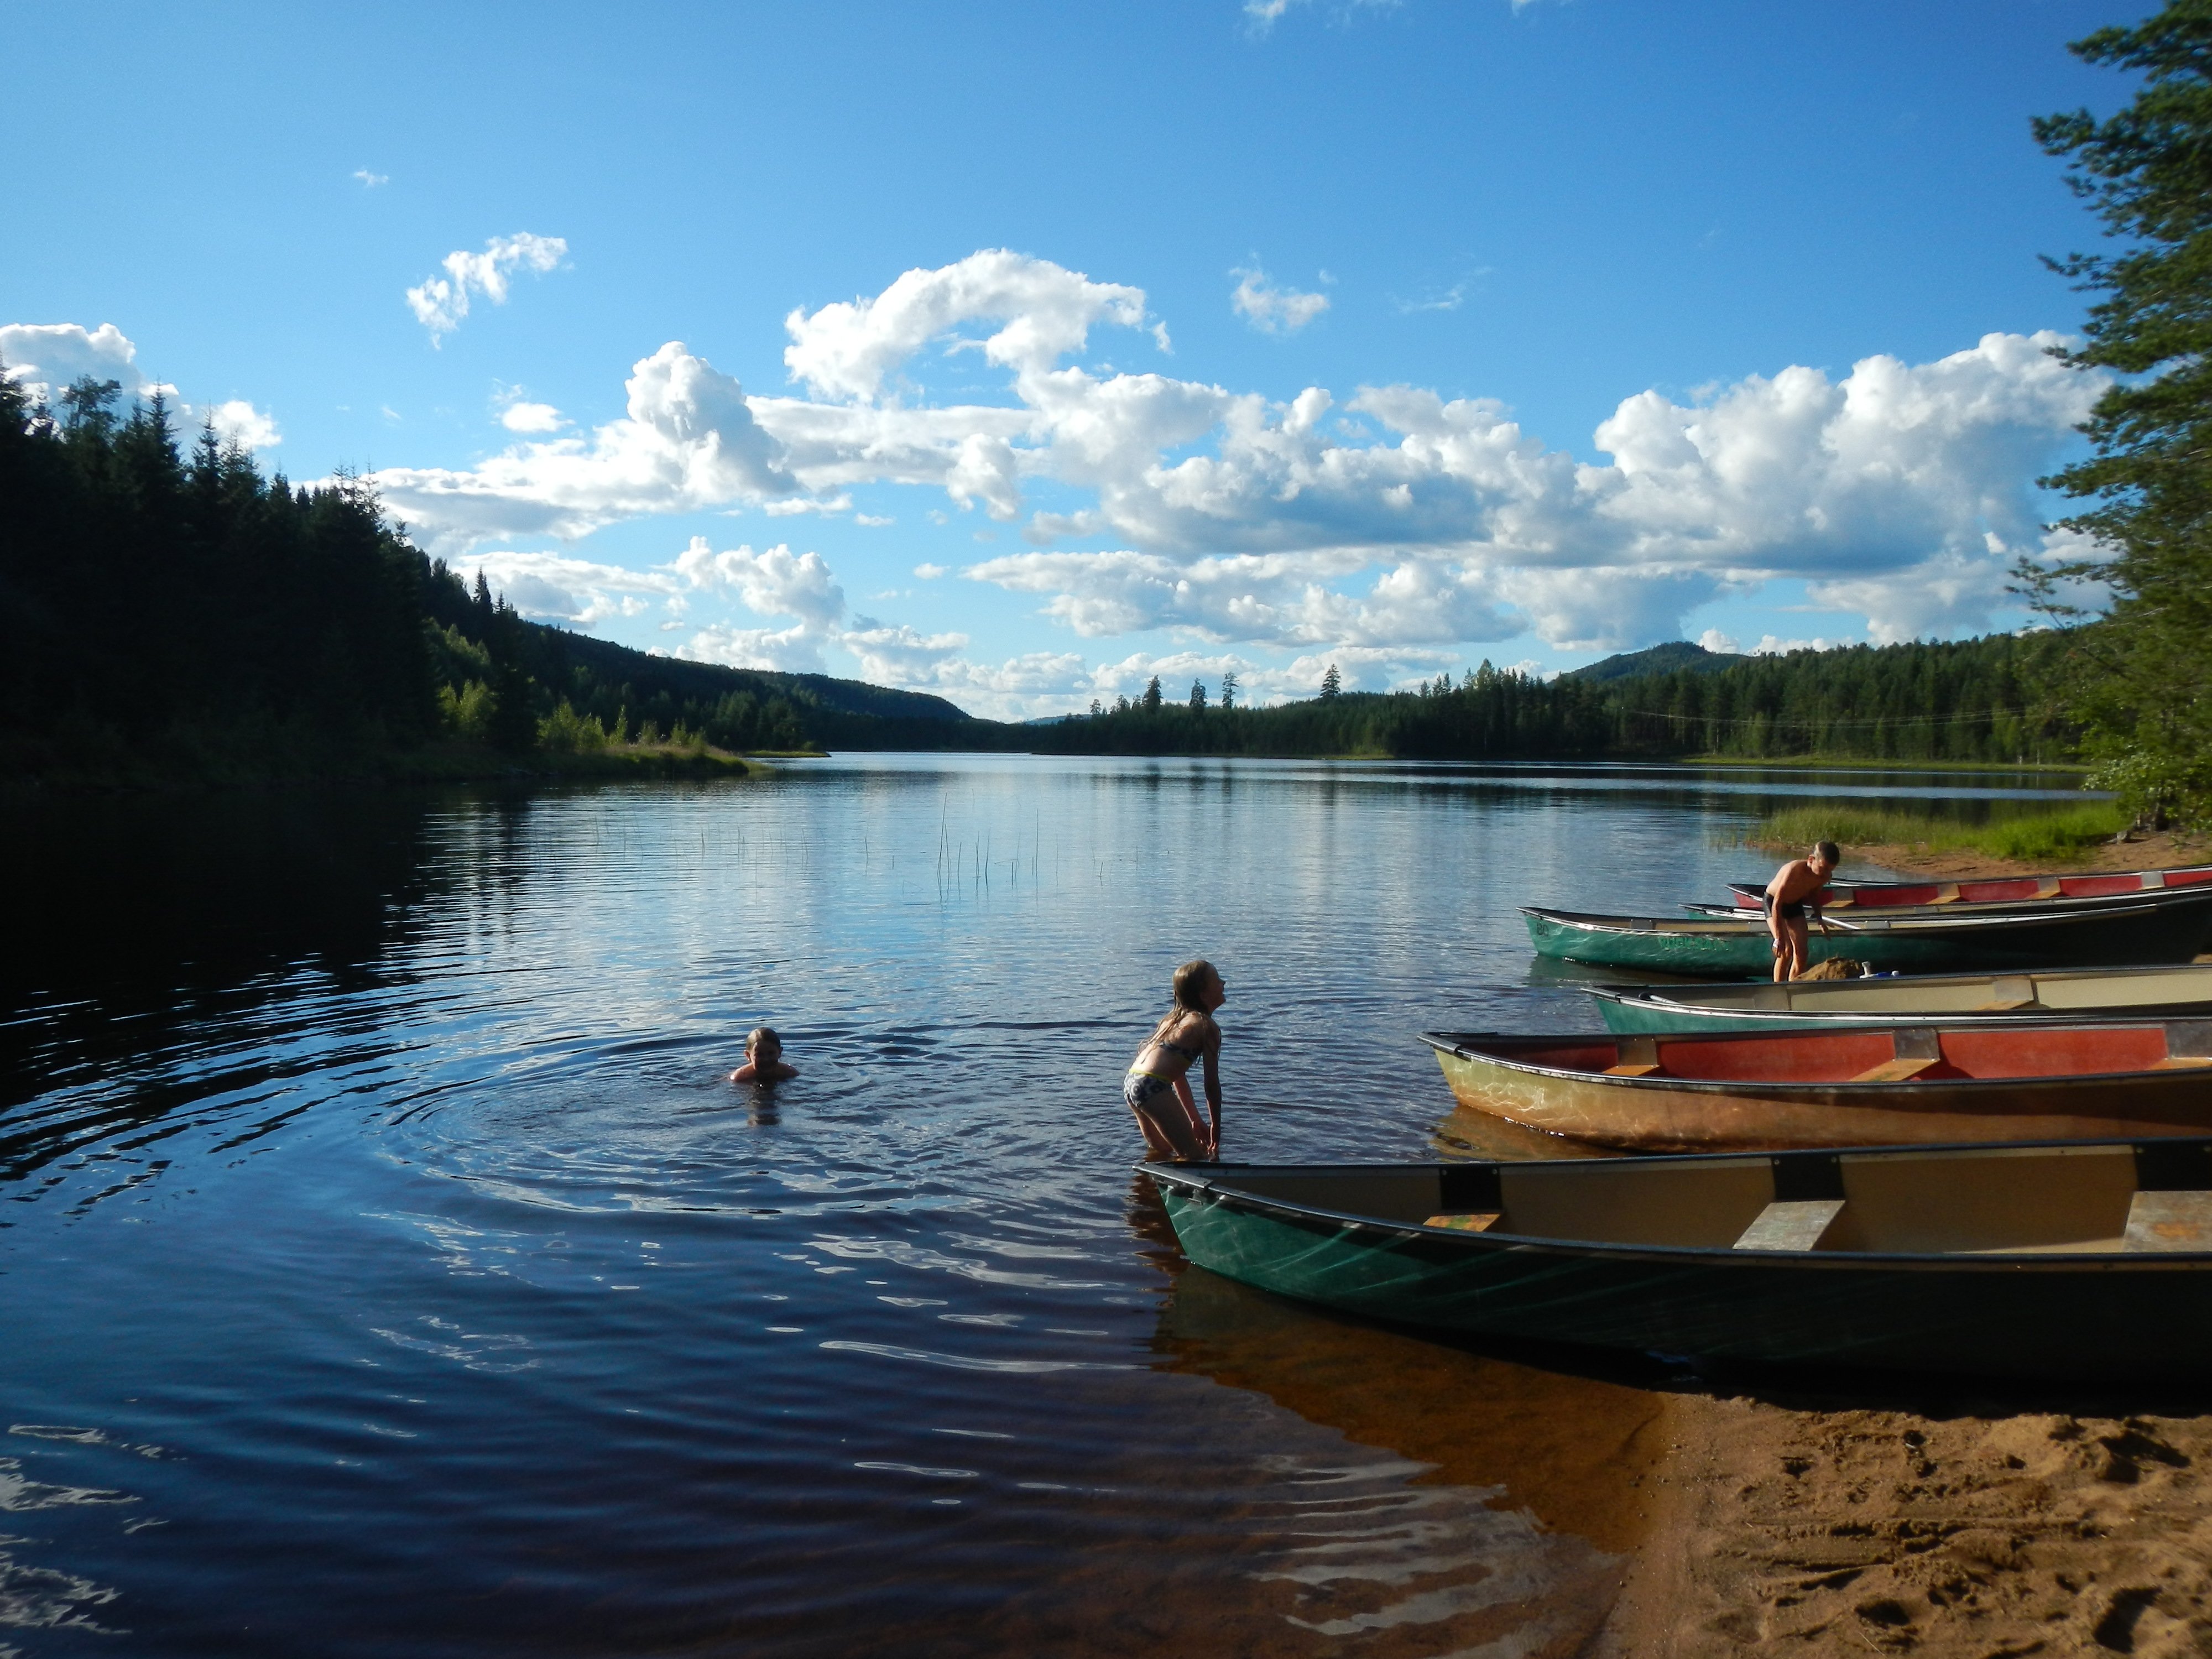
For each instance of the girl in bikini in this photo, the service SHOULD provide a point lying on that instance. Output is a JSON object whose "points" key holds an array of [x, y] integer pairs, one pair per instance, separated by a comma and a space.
{"points": [[1158, 1088]]}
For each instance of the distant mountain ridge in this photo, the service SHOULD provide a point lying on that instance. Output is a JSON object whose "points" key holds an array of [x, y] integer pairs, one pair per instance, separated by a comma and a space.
{"points": [[1670, 658], [685, 679]]}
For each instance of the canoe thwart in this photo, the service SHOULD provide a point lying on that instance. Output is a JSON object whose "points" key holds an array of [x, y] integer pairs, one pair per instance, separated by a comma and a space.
{"points": [[2008, 990], [1480, 1222], [1898, 1069], [2188, 1038], [1791, 1225], [2170, 1221]]}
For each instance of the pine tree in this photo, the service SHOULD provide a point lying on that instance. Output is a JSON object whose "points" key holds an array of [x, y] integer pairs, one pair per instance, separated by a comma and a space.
{"points": [[1332, 683], [1153, 693], [2139, 678]]}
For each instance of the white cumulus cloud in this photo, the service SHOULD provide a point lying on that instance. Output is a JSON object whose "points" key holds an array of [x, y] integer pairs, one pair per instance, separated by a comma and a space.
{"points": [[1270, 309], [688, 441], [1387, 518], [440, 302], [522, 416]]}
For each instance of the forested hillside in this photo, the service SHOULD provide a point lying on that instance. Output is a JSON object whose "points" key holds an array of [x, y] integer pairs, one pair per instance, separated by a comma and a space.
{"points": [[166, 613], [1974, 701]]}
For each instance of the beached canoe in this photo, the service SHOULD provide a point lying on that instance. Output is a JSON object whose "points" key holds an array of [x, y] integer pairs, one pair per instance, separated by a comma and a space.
{"points": [[1721, 949], [2199, 898], [1995, 889], [2079, 1262], [2184, 991], [1860, 1086]]}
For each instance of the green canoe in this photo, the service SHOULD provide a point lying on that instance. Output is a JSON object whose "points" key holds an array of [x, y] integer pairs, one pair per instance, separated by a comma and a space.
{"points": [[2177, 992], [2088, 1261], [1719, 949]]}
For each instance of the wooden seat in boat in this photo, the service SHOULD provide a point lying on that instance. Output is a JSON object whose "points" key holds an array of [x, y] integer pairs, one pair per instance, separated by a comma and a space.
{"points": [[2170, 1221], [1635, 1056], [1791, 1225]]}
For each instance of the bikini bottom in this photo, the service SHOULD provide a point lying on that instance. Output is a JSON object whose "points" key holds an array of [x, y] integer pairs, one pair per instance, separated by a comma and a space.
{"points": [[1141, 1089]]}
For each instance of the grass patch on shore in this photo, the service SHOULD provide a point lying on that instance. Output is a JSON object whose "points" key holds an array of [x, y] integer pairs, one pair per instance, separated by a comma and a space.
{"points": [[2056, 837], [1863, 763]]}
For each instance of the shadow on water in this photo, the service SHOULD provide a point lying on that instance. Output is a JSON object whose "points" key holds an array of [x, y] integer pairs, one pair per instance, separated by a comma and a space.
{"points": [[150, 927]]}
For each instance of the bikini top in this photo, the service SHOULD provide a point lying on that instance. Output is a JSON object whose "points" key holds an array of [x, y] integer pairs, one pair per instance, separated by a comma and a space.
{"points": [[1188, 1055]]}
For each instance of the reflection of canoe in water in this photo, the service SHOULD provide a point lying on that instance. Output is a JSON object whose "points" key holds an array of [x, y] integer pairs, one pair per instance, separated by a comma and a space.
{"points": [[1996, 890], [1568, 1446], [1723, 949], [1859, 1086], [2108, 993], [2048, 1262]]}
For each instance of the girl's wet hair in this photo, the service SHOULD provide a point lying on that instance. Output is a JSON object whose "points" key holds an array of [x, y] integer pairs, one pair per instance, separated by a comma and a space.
{"points": [[1189, 980], [763, 1036]]}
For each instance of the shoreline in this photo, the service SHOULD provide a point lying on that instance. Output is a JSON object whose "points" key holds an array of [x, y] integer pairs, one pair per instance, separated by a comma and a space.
{"points": [[2163, 849]]}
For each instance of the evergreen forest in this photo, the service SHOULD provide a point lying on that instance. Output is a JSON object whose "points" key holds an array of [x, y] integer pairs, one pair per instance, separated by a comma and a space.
{"points": [[1974, 701], [173, 615]]}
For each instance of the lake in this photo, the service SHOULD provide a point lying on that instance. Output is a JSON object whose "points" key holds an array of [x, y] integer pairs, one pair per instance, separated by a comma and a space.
{"points": [[387, 1268]]}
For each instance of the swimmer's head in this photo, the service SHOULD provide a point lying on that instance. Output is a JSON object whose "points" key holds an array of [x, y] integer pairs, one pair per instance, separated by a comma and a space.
{"points": [[762, 1043], [1828, 852]]}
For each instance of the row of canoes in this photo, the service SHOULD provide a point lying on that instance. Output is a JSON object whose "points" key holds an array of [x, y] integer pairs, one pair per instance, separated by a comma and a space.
{"points": [[2000, 1162]]}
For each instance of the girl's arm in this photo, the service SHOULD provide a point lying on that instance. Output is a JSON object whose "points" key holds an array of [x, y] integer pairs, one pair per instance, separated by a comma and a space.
{"points": [[1214, 1083]]}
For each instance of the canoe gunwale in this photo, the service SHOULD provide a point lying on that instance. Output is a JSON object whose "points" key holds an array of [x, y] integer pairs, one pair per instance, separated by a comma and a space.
{"points": [[1812, 1021], [1909, 924], [1444, 1043], [1978, 909], [1313, 1216]]}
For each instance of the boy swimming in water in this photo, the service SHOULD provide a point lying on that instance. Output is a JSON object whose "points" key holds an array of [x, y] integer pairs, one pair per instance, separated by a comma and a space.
{"points": [[764, 1058]]}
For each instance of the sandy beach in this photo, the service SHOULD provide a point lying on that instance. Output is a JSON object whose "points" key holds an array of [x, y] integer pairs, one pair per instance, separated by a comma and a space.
{"points": [[1974, 1529]]}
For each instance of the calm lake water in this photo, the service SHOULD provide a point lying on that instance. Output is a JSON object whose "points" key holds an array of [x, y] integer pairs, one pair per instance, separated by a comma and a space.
{"points": [[387, 1268]]}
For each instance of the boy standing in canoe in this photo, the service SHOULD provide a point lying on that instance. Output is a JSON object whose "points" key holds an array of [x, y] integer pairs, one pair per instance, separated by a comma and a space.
{"points": [[1788, 901]]}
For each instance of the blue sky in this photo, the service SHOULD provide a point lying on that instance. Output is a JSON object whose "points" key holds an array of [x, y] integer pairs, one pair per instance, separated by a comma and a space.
{"points": [[1396, 335]]}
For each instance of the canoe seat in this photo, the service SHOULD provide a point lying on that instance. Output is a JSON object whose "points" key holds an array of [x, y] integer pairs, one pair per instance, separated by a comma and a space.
{"points": [[2051, 889], [1945, 893], [2169, 1221], [1899, 1070], [1480, 1221], [2180, 1062], [2011, 991], [1645, 1068], [1791, 1225]]}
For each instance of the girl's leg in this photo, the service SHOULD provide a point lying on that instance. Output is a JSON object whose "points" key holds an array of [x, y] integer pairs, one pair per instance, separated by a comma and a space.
{"points": [[1167, 1132]]}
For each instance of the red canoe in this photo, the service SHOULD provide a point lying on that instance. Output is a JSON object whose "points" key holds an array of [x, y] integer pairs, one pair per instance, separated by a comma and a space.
{"points": [[2003, 892], [1864, 1087]]}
